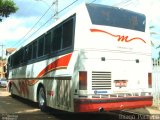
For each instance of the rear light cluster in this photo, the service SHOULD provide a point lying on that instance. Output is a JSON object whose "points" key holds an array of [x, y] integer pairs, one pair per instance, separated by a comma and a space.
{"points": [[150, 80], [82, 80]]}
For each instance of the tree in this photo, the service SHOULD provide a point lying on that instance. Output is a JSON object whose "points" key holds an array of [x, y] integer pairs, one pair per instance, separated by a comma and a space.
{"points": [[7, 7]]}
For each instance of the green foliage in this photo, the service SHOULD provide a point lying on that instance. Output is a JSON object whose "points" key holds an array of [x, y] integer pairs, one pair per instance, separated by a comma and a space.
{"points": [[2, 59], [6, 8]]}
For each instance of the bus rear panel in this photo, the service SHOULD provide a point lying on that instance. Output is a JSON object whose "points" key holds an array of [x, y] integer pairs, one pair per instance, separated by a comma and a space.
{"points": [[114, 60]]}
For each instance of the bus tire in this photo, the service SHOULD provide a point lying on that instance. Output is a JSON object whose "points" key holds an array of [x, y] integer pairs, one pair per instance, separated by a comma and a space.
{"points": [[11, 91], [42, 98]]}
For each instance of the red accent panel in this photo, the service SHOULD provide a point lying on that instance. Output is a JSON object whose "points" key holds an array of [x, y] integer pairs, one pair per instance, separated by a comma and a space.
{"points": [[86, 106], [150, 80], [61, 62], [21, 88], [120, 38], [50, 93]]}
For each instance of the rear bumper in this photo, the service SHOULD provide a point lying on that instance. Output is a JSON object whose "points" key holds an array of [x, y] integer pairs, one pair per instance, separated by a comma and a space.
{"points": [[109, 104]]}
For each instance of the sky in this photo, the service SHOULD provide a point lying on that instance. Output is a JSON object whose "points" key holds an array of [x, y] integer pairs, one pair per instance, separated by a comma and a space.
{"points": [[20, 26]]}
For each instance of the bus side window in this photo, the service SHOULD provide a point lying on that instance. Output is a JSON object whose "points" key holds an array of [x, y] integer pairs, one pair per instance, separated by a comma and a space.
{"points": [[11, 61], [25, 54], [47, 43], [56, 40], [20, 56], [34, 55], [15, 59], [67, 34], [40, 46], [29, 55]]}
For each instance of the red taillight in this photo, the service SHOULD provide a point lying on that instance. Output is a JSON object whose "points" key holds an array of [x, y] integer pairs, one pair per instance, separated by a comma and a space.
{"points": [[82, 80], [150, 80]]}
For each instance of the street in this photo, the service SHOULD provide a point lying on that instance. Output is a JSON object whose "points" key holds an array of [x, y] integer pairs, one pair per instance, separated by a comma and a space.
{"points": [[21, 109]]}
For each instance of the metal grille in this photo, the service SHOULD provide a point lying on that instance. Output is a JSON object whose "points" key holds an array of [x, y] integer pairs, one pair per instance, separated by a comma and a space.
{"points": [[101, 80]]}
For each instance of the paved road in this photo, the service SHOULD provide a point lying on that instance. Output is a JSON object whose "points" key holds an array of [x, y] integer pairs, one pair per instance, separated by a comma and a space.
{"points": [[20, 109]]}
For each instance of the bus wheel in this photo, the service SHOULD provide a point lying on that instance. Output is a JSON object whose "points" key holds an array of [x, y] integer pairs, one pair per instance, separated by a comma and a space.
{"points": [[11, 91], [42, 99]]}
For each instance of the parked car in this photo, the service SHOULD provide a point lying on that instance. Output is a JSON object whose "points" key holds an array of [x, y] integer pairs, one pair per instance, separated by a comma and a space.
{"points": [[3, 82]]}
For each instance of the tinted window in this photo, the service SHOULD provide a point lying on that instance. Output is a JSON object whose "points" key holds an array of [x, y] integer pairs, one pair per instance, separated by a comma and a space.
{"points": [[17, 58], [113, 16], [56, 42], [29, 56], [25, 54], [14, 60], [34, 55], [20, 55], [47, 43], [9, 61], [40, 46], [67, 34]]}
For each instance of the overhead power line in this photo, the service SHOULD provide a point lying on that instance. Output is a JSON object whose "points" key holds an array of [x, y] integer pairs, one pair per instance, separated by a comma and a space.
{"points": [[124, 3], [33, 26], [56, 9], [93, 1], [46, 21]]}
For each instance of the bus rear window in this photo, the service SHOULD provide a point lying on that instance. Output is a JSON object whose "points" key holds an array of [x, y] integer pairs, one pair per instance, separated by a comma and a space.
{"points": [[116, 17]]}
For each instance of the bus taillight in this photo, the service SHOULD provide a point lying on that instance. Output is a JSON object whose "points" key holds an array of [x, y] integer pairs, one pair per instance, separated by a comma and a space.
{"points": [[83, 80], [150, 80]]}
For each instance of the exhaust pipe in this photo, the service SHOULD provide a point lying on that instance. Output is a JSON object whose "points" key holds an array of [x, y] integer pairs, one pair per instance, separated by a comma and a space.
{"points": [[101, 109]]}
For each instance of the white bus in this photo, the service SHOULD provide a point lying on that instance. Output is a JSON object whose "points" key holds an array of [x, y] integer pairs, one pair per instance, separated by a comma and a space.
{"points": [[95, 58]]}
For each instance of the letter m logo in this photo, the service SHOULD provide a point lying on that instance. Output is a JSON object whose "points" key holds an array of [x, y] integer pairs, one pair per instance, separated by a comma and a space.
{"points": [[122, 38]]}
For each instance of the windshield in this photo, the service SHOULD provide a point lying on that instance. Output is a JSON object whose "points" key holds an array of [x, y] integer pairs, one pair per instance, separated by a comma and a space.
{"points": [[116, 17]]}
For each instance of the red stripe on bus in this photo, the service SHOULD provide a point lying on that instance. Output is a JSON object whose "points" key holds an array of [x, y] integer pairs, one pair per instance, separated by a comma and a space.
{"points": [[57, 64], [120, 38], [32, 82], [93, 105]]}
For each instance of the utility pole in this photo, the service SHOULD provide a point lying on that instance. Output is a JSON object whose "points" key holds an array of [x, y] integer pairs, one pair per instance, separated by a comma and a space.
{"points": [[55, 3], [55, 7]]}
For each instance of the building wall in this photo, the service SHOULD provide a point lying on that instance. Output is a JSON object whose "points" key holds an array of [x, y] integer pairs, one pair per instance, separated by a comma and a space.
{"points": [[2, 63]]}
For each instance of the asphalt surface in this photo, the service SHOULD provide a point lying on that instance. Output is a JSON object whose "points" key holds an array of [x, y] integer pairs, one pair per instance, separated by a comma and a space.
{"points": [[21, 109]]}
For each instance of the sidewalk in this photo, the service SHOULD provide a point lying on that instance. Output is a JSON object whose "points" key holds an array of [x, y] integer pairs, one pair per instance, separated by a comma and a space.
{"points": [[4, 92]]}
